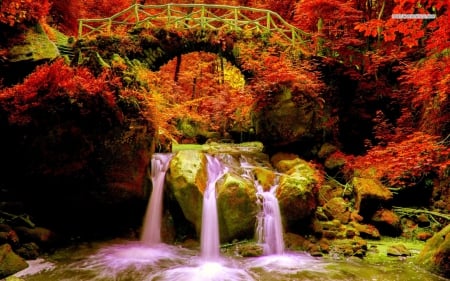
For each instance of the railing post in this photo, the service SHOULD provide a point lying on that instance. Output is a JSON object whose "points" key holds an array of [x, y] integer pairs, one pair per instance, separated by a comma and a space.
{"points": [[80, 29], [268, 20], [108, 27], [202, 17], [169, 14], [136, 13]]}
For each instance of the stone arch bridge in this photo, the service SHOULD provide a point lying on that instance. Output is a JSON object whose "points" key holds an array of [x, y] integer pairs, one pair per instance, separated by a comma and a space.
{"points": [[156, 34]]}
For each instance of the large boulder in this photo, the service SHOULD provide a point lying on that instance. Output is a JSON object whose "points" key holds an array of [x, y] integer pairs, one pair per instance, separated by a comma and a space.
{"points": [[186, 182], [435, 256], [369, 195], [237, 207], [284, 121], [297, 188]]}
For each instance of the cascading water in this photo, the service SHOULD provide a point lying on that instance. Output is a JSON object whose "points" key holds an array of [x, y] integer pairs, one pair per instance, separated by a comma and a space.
{"points": [[269, 228], [152, 223], [209, 239]]}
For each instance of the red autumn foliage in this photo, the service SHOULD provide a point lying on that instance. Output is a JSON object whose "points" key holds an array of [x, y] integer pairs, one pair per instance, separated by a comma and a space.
{"points": [[53, 85], [400, 164], [16, 12], [332, 23], [66, 12]]}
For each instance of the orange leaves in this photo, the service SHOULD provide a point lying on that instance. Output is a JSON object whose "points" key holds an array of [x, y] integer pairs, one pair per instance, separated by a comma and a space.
{"points": [[402, 163], [14, 12], [370, 28]]}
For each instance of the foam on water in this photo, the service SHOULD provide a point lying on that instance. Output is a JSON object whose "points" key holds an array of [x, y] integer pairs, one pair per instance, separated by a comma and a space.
{"points": [[286, 263], [35, 266], [204, 271]]}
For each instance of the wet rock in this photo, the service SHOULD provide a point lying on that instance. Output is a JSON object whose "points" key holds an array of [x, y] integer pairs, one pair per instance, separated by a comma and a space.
{"points": [[296, 242], [337, 208], [369, 194], [424, 235], [387, 222], [297, 187], [348, 247], [398, 250], [9, 236], [236, 207], [326, 150], [39, 235], [28, 251], [186, 181], [366, 230], [10, 262], [328, 191], [250, 250], [265, 177], [284, 121], [435, 256]]}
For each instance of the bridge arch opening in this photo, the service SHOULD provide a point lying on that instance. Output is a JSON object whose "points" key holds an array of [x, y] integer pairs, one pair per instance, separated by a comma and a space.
{"points": [[202, 97]]}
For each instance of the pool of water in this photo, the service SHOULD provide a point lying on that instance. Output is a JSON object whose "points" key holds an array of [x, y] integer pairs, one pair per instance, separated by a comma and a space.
{"points": [[133, 261]]}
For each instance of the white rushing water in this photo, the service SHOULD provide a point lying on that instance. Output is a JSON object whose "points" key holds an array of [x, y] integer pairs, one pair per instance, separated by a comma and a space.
{"points": [[151, 233], [209, 239], [269, 228]]}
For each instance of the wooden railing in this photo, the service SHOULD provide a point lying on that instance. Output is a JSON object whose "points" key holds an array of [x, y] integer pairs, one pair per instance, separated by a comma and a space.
{"points": [[194, 16]]}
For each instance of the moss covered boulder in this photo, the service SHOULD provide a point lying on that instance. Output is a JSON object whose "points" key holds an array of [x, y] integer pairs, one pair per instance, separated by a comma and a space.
{"points": [[237, 208], [186, 182], [435, 256], [10, 262], [297, 187]]}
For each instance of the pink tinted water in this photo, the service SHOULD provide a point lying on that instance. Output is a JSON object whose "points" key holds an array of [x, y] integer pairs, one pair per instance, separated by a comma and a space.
{"points": [[151, 233], [209, 239]]}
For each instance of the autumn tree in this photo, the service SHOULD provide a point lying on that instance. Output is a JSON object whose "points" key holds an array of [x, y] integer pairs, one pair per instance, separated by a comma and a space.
{"points": [[16, 12]]}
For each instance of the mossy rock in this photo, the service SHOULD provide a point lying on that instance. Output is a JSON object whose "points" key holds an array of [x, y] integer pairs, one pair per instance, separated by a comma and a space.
{"points": [[237, 207], [435, 255], [186, 180], [10, 262]]}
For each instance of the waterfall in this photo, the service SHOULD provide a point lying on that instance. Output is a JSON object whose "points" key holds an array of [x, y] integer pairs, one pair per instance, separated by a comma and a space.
{"points": [[209, 240], [269, 227], [152, 223]]}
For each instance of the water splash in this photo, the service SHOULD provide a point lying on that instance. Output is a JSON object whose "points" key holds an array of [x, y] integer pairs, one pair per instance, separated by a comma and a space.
{"points": [[151, 234], [209, 239]]}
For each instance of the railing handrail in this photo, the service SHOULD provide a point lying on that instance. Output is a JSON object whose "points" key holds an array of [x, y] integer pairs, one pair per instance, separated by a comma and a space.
{"points": [[169, 15]]}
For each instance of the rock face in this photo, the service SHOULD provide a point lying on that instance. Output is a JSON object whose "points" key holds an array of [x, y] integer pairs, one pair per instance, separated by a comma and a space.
{"points": [[435, 256], [237, 208], [297, 188], [284, 121], [10, 262], [369, 194], [36, 46], [236, 197], [186, 181]]}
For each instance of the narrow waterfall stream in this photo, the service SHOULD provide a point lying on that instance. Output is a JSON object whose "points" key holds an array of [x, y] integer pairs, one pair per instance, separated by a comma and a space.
{"points": [[151, 233], [269, 228], [210, 240]]}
